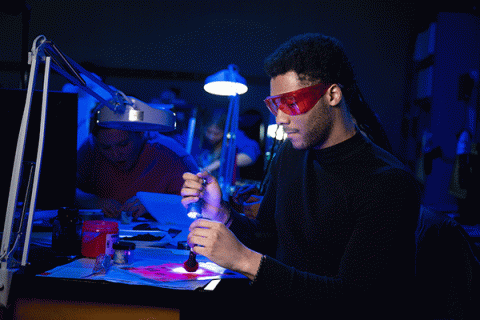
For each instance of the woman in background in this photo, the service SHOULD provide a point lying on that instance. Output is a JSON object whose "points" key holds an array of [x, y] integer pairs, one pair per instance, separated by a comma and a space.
{"points": [[248, 150]]}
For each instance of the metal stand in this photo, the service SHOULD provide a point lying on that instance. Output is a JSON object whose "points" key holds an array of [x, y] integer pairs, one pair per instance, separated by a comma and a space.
{"points": [[191, 129], [138, 114], [228, 154], [8, 263], [120, 111]]}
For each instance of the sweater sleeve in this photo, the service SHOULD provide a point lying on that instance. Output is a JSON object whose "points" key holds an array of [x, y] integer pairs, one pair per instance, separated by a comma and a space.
{"points": [[378, 259], [259, 234]]}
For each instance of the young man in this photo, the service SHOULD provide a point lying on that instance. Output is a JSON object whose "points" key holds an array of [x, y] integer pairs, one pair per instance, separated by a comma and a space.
{"points": [[335, 232], [113, 165]]}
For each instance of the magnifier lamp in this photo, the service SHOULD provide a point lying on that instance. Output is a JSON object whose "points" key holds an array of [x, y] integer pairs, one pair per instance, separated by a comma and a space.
{"points": [[228, 82], [138, 116], [119, 112]]}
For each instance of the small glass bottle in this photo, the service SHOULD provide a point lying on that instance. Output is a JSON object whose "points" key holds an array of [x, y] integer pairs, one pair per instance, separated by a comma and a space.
{"points": [[124, 252], [67, 233]]}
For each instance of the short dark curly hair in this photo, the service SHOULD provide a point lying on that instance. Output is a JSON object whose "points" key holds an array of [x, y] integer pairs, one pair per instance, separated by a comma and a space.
{"points": [[314, 57]]}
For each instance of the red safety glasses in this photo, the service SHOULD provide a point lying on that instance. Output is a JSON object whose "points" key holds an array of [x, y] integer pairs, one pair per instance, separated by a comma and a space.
{"points": [[297, 102]]}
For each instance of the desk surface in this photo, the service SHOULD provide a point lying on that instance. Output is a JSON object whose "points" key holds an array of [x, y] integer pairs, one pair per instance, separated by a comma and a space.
{"points": [[154, 263], [158, 267], [50, 278]]}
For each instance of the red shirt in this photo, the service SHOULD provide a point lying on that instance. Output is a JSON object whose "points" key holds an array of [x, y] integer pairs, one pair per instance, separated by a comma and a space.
{"points": [[158, 169]]}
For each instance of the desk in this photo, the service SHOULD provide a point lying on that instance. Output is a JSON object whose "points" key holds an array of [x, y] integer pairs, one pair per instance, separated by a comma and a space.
{"points": [[38, 295], [41, 298]]}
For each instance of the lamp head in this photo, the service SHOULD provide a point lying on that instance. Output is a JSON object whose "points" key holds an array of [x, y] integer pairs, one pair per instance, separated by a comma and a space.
{"points": [[226, 82], [137, 116]]}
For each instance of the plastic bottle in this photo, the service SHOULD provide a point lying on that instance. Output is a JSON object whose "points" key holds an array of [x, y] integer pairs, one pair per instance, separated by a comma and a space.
{"points": [[98, 237]]}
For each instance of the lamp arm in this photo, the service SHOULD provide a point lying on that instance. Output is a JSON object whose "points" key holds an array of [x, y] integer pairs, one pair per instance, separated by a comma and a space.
{"points": [[72, 71], [228, 153], [6, 259]]}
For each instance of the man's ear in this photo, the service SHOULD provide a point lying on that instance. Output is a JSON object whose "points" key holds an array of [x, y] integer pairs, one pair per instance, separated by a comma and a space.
{"points": [[334, 94]]}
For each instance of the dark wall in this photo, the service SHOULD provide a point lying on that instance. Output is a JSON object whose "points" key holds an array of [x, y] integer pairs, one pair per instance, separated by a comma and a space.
{"points": [[143, 47], [56, 185], [179, 43]]}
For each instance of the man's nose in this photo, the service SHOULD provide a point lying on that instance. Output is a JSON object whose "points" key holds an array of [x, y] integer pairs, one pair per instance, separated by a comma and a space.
{"points": [[282, 118]]}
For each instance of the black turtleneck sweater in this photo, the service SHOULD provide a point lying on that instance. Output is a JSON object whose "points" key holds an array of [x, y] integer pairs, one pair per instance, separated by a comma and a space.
{"points": [[338, 228]]}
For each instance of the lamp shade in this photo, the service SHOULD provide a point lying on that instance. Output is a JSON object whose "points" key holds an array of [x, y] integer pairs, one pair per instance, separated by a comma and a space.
{"points": [[138, 116], [226, 82]]}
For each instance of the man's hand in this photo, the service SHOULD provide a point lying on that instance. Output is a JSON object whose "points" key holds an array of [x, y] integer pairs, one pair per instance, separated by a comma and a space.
{"points": [[215, 241], [247, 199], [203, 186], [134, 206], [111, 208]]}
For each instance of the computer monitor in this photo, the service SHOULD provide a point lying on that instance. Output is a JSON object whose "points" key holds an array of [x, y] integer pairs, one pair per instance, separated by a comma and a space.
{"points": [[56, 186]]}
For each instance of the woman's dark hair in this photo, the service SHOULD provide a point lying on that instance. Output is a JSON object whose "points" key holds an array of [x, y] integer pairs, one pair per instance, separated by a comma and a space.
{"points": [[217, 117], [212, 117], [319, 58]]}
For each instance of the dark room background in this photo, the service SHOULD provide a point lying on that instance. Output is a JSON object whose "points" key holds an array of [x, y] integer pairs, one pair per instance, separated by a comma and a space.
{"points": [[144, 47]]}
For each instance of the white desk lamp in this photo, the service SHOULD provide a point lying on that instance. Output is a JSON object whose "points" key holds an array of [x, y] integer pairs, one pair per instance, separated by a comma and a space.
{"points": [[229, 83], [120, 112]]}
